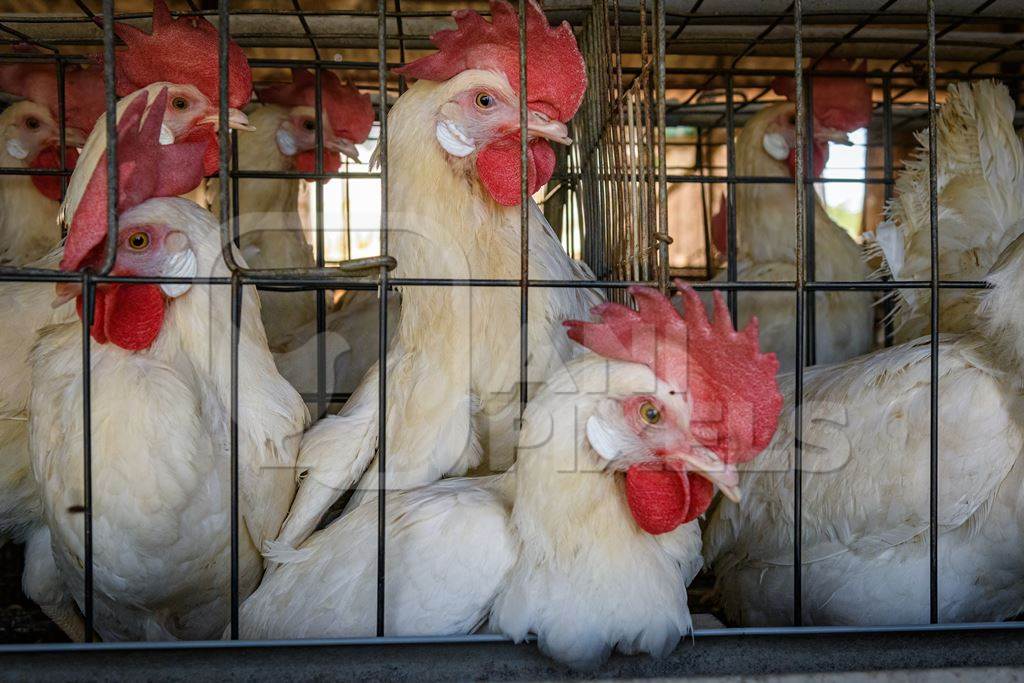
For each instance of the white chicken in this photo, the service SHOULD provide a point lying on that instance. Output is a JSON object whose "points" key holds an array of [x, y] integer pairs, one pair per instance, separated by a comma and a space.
{"points": [[980, 171], [272, 230], [160, 405], [866, 485], [189, 116], [591, 539], [30, 138], [765, 224], [454, 186]]}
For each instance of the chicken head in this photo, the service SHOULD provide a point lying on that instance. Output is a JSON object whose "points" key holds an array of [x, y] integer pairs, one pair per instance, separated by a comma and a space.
{"points": [[185, 51], [716, 403], [347, 112], [840, 105], [480, 120], [127, 314]]}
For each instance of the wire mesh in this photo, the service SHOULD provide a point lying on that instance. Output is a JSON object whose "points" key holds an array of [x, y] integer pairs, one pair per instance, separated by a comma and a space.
{"points": [[666, 79]]}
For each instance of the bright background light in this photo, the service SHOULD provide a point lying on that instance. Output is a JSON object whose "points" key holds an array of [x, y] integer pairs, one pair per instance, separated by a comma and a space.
{"points": [[351, 210], [844, 202]]}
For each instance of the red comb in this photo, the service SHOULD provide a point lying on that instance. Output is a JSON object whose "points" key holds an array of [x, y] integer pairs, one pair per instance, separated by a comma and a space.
{"points": [[146, 169], [84, 98], [839, 102], [349, 112], [734, 397], [183, 50], [556, 75]]}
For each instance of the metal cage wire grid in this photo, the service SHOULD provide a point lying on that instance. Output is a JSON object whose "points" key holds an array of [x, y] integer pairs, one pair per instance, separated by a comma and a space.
{"points": [[615, 186]]}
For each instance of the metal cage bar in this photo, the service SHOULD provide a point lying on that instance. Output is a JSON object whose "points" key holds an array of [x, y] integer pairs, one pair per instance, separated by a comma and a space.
{"points": [[933, 332], [382, 349], [800, 326]]}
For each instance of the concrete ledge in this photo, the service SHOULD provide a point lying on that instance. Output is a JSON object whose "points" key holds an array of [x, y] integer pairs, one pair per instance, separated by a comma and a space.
{"points": [[712, 655]]}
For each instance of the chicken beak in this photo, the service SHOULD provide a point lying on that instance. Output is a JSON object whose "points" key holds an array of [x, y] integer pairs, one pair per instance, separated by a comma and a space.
{"points": [[236, 119], [723, 475], [543, 126], [66, 291], [73, 137], [239, 121], [833, 135], [343, 146]]}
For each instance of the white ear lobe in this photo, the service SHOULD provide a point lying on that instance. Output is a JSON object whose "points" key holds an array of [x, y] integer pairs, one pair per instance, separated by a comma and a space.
{"points": [[454, 140], [776, 146], [286, 143], [16, 149], [181, 264], [602, 439]]}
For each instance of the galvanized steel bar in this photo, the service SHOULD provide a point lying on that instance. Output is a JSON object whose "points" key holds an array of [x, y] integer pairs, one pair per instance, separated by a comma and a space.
{"points": [[382, 321], [659, 58], [933, 389], [801, 269], [524, 220], [227, 241]]}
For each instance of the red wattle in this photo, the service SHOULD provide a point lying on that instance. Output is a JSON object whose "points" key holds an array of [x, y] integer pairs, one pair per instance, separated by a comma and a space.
{"points": [[127, 315], [305, 162], [720, 227], [499, 167], [820, 153], [211, 159], [49, 185], [661, 499]]}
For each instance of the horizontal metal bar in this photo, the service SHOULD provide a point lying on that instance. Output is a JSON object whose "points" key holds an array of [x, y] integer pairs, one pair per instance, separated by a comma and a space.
{"points": [[15, 170], [313, 280], [332, 397], [772, 180], [297, 175], [493, 638]]}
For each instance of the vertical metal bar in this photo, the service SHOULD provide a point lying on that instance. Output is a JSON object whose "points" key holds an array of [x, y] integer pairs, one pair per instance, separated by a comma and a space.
{"points": [[933, 389], [888, 306], [321, 306], [62, 118], [109, 56], [524, 218], [730, 194], [810, 200], [659, 47], [88, 294], [236, 224], [798, 395], [705, 205], [225, 218], [400, 30], [236, 325], [382, 327]]}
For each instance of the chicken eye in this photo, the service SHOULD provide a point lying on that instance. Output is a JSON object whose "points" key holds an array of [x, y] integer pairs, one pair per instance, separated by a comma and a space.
{"points": [[484, 100], [179, 103], [309, 124], [32, 123], [649, 413], [138, 241]]}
